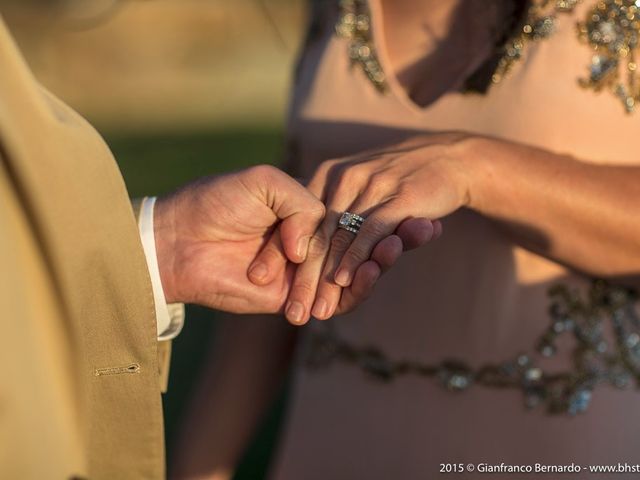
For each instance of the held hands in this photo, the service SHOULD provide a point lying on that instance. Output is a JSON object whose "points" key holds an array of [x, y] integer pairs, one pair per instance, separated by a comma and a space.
{"points": [[257, 241], [396, 190], [209, 233]]}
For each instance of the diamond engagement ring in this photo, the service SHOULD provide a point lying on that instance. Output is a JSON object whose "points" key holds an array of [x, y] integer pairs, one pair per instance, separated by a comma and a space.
{"points": [[350, 222]]}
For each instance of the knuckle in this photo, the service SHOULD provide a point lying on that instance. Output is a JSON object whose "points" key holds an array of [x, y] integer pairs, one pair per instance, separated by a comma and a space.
{"points": [[263, 170], [327, 287], [328, 164], [407, 191], [374, 228], [325, 168], [408, 199], [318, 210], [380, 179], [341, 241], [343, 181], [318, 245], [272, 254], [327, 229], [357, 254], [303, 289], [378, 186], [357, 173]]}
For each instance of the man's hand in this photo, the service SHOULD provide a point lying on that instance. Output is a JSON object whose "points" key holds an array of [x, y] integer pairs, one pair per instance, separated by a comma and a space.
{"points": [[209, 232]]}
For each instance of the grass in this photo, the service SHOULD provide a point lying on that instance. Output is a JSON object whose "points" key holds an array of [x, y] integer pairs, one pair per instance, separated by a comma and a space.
{"points": [[157, 164]]}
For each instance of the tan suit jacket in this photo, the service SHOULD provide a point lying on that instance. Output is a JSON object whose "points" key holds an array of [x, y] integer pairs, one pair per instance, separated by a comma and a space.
{"points": [[79, 375]]}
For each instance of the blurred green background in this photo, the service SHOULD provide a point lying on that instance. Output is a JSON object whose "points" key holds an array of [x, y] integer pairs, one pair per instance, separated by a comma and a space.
{"points": [[179, 89]]}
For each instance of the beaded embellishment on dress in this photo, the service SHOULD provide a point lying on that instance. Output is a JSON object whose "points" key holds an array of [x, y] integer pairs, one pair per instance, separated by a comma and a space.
{"points": [[604, 329], [540, 23], [611, 29], [354, 24]]}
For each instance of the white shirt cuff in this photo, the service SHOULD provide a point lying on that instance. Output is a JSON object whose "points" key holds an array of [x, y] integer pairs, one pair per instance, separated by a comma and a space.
{"points": [[169, 317]]}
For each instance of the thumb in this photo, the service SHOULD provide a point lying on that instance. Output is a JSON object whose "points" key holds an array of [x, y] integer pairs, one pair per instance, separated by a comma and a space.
{"points": [[300, 211]]}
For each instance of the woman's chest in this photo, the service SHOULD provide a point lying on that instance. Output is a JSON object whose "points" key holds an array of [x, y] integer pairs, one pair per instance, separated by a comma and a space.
{"points": [[337, 110]]}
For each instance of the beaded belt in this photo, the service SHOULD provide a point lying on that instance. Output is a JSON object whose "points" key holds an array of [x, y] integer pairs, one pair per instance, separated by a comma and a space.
{"points": [[595, 361]]}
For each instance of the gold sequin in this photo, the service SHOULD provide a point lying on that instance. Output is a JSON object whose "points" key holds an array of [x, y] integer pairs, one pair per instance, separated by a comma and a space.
{"points": [[354, 24], [539, 24], [612, 29]]}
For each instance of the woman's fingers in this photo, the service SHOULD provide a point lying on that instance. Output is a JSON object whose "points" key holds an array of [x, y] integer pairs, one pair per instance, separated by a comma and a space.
{"points": [[384, 256], [415, 232], [331, 297], [313, 290], [329, 291], [308, 274], [387, 252], [328, 294], [437, 229], [303, 290], [363, 284], [379, 224]]}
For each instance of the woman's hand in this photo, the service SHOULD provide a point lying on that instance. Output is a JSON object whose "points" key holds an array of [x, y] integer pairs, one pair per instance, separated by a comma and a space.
{"points": [[580, 213], [577, 212], [399, 191], [395, 190]]}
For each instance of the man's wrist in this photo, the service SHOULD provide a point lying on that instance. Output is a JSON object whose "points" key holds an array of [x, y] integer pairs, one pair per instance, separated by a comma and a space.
{"points": [[169, 317], [164, 227]]}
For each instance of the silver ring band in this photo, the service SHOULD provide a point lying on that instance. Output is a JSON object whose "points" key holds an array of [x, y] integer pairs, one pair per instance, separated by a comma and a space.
{"points": [[351, 222]]}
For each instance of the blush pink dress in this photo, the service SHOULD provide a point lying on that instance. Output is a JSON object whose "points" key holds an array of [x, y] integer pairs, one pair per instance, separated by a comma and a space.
{"points": [[473, 295]]}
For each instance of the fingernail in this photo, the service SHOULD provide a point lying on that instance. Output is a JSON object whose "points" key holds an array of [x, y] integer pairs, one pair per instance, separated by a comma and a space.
{"points": [[302, 247], [320, 308], [342, 277], [294, 312], [258, 271]]}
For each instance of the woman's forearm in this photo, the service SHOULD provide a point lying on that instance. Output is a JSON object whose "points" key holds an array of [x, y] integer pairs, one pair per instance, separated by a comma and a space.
{"points": [[582, 214]]}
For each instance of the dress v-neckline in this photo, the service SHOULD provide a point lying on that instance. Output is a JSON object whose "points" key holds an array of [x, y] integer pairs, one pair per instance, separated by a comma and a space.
{"points": [[395, 88]]}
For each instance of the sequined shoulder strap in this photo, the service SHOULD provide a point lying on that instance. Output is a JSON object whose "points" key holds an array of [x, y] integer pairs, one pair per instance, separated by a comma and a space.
{"points": [[611, 29]]}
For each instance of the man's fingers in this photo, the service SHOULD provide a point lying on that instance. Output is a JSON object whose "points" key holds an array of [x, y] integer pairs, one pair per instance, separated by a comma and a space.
{"points": [[270, 262], [296, 232], [300, 211]]}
